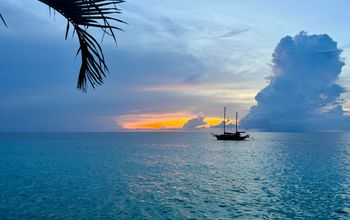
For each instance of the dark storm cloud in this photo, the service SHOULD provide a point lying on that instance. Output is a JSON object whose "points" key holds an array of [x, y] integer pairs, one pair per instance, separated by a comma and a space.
{"points": [[303, 93]]}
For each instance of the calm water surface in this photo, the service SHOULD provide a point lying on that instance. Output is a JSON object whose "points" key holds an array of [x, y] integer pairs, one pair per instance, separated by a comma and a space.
{"points": [[174, 176]]}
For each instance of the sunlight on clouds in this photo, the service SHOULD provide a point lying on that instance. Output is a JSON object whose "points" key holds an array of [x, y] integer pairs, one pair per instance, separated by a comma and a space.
{"points": [[153, 120], [162, 121], [212, 121], [216, 121], [222, 92]]}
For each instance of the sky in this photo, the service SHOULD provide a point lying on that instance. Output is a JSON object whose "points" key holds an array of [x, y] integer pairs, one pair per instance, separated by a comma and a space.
{"points": [[303, 93], [175, 65]]}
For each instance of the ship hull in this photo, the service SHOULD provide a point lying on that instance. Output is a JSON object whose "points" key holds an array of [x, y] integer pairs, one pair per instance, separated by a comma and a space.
{"points": [[226, 137]]}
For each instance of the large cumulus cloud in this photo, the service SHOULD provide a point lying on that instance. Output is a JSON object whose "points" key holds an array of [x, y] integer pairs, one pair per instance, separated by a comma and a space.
{"points": [[302, 93]]}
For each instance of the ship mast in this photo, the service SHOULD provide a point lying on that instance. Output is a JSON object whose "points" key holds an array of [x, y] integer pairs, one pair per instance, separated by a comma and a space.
{"points": [[236, 120], [224, 119]]}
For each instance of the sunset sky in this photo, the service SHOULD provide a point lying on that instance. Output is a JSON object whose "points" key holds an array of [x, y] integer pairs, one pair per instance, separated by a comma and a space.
{"points": [[176, 61]]}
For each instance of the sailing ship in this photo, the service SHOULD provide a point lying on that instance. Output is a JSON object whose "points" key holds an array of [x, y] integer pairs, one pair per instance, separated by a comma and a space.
{"points": [[230, 136]]}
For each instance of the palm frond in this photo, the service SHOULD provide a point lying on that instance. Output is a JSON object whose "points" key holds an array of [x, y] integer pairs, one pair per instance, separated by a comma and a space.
{"points": [[82, 14], [93, 66], [3, 20]]}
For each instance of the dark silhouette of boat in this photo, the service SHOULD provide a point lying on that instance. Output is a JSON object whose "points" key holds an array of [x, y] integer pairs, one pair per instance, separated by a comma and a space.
{"points": [[229, 136]]}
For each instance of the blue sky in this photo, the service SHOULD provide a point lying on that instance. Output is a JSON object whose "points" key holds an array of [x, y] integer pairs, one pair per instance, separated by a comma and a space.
{"points": [[174, 57]]}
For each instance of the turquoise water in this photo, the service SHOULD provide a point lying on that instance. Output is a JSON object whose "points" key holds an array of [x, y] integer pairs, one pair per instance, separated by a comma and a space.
{"points": [[174, 176]]}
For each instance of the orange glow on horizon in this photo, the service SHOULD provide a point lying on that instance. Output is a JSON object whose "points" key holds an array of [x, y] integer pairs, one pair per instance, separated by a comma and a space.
{"points": [[161, 121], [164, 124], [154, 121]]}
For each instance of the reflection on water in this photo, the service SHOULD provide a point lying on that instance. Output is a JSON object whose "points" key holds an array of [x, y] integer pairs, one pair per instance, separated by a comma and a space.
{"points": [[174, 175]]}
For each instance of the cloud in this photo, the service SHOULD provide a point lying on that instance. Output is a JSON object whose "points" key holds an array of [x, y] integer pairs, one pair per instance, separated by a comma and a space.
{"points": [[160, 47], [234, 32], [195, 123], [229, 125], [302, 93]]}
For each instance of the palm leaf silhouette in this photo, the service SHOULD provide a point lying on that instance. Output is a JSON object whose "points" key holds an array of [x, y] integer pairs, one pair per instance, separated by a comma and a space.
{"points": [[3, 20], [82, 14]]}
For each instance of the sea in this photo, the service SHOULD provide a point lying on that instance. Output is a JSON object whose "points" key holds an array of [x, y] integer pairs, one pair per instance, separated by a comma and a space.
{"points": [[174, 175]]}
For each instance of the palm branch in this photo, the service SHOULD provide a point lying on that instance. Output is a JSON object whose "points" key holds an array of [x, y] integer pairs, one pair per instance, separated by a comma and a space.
{"points": [[82, 14], [3, 20]]}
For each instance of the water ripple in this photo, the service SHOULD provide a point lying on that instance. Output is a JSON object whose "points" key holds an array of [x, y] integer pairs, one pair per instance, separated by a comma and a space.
{"points": [[174, 176]]}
